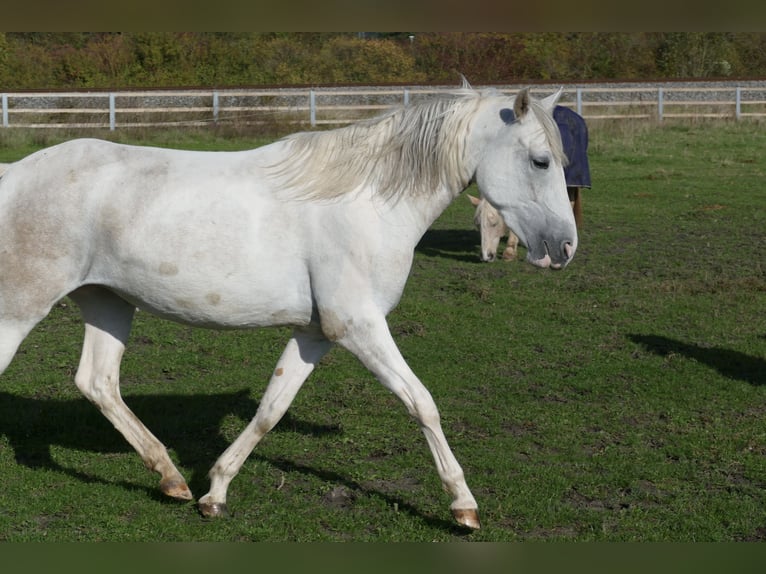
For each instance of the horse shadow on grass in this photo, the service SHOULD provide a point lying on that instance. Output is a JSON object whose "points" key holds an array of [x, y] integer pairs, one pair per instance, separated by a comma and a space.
{"points": [[731, 364], [458, 244], [188, 424]]}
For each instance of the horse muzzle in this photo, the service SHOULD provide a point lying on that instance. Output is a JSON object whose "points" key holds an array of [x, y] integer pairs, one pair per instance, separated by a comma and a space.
{"points": [[561, 257]]}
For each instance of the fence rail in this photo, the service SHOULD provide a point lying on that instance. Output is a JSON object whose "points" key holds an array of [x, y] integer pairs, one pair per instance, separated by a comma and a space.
{"points": [[332, 106]]}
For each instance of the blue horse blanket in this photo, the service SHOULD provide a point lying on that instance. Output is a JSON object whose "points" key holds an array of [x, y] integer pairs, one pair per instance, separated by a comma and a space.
{"points": [[574, 137]]}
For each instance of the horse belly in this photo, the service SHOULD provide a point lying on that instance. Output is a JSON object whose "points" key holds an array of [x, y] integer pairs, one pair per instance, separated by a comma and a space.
{"points": [[213, 266], [244, 300]]}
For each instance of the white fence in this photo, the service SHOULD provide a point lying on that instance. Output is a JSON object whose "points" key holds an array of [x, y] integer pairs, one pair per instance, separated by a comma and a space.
{"points": [[332, 106]]}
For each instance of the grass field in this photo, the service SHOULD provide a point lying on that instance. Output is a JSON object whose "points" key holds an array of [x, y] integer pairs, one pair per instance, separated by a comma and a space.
{"points": [[623, 399]]}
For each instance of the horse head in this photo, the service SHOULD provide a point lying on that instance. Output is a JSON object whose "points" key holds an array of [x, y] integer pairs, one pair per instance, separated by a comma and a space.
{"points": [[520, 172]]}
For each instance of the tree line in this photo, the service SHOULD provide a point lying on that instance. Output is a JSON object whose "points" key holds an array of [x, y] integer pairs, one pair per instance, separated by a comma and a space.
{"points": [[49, 60]]}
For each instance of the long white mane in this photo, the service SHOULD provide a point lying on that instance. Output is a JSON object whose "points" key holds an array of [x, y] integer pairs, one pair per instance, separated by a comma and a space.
{"points": [[417, 147], [412, 148], [551, 130]]}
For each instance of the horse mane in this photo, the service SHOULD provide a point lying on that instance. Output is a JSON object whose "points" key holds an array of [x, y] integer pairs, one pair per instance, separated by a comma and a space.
{"points": [[413, 148], [551, 130]]}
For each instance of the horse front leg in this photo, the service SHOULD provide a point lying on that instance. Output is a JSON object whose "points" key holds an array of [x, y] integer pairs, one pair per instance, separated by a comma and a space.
{"points": [[302, 353], [372, 343], [108, 319], [511, 248]]}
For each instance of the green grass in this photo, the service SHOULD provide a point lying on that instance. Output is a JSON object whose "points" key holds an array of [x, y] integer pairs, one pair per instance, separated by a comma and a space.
{"points": [[622, 399]]}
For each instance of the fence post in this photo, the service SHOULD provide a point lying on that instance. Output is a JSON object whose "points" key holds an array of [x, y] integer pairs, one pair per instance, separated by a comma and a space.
{"points": [[738, 96], [659, 103], [215, 106], [112, 114], [312, 108], [5, 110], [579, 100], [406, 96]]}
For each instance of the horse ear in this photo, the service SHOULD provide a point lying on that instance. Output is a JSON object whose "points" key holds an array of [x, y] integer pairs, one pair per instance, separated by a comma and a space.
{"points": [[521, 105], [550, 102], [507, 115], [474, 200]]}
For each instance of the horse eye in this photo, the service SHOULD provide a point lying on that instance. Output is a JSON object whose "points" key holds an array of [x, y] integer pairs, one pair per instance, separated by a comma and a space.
{"points": [[541, 163]]}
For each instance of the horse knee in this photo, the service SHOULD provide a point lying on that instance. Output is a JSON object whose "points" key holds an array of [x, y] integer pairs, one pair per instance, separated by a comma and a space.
{"points": [[98, 375], [422, 408], [83, 380], [99, 389]]}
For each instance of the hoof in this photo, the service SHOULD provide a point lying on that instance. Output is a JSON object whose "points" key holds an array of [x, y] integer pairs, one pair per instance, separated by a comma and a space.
{"points": [[213, 509], [467, 517], [176, 489]]}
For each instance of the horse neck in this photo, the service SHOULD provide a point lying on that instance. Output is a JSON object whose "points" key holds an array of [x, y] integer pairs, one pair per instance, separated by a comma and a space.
{"points": [[425, 208], [421, 211]]}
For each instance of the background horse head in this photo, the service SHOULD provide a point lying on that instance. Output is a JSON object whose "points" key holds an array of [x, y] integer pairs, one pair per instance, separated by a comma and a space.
{"points": [[492, 229]]}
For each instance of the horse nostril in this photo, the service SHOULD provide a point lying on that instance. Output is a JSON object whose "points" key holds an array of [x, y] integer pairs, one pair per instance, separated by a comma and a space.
{"points": [[568, 249]]}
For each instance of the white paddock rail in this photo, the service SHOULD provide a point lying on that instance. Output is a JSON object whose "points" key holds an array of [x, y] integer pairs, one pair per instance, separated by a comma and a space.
{"points": [[336, 106]]}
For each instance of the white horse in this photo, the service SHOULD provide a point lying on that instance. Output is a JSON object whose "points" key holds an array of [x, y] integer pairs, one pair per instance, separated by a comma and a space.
{"points": [[316, 231]]}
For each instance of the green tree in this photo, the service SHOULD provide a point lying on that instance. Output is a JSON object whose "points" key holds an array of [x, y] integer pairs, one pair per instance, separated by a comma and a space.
{"points": [[695, 54], [609, 55], [357, 60], [4, 58], [51, 60], [29, 65], [748, 54]]}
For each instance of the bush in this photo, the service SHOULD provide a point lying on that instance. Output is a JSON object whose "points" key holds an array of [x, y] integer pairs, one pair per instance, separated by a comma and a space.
{"points": [[45, 60]]}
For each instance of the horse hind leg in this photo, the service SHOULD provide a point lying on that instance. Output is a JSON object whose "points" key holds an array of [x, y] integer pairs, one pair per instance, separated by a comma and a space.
{"points": [[108, 319]]}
